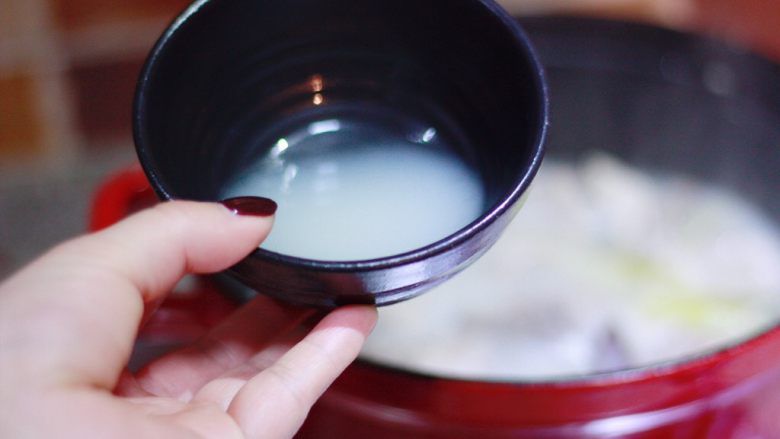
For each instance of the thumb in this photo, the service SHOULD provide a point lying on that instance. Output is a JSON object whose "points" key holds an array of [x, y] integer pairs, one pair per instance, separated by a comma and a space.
{"points": [[76, 310]]}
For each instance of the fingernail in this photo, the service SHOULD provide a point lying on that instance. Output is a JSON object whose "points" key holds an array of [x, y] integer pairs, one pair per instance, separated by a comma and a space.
{"points": [[251, 206]]}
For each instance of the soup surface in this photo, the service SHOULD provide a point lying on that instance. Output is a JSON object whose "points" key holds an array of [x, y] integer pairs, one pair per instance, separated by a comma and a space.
{"points": [[606, 267], [353, 188]]}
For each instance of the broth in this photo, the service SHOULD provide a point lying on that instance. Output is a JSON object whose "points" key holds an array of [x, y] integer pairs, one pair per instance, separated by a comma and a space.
{"points": [[361, 188], [606, 267]]}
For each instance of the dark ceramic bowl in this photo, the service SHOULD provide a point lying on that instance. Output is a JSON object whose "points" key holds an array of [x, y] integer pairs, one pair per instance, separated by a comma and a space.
{"points": [[226, 67]]}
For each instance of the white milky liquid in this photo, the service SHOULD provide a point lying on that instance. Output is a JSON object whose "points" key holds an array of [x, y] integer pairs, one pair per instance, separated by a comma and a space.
{"points": [[607, 267], [356, 190]]}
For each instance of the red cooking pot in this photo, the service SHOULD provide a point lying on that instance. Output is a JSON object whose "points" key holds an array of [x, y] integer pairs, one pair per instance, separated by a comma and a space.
{"points": [[734, 393], [646, 95]]}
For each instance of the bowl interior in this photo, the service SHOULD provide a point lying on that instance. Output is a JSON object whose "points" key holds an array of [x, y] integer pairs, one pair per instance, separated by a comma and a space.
{"points": [[227, 73]]}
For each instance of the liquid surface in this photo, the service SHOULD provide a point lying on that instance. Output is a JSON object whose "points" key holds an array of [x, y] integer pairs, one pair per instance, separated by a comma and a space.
{"points": [[352, 189], [606, 267]]}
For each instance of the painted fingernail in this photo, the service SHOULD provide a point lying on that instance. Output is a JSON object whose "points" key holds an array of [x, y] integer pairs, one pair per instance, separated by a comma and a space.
{"points": [[251, 206]]}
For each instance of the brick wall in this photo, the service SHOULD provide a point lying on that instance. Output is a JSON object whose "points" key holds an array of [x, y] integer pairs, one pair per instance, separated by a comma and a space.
{"points": [[68, 67], [67, 73], [754, 23]]}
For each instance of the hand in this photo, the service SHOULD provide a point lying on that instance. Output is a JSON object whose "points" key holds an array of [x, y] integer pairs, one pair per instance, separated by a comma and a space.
{"points": [[69, 320]]}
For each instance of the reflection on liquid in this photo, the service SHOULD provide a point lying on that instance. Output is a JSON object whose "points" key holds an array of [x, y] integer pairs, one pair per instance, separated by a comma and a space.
{"points": [[316, 83], [325, 126]]}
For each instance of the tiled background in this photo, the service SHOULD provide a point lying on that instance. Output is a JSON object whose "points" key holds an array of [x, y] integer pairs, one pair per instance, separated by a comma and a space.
{"points": [[68, 69], [67, 74]]}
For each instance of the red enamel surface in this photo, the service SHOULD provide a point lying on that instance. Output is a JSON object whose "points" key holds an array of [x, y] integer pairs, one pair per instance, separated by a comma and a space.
{"points": [[734, 393]]}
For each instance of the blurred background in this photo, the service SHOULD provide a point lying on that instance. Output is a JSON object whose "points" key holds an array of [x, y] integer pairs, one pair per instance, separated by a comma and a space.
{"points": [[68, 70]]}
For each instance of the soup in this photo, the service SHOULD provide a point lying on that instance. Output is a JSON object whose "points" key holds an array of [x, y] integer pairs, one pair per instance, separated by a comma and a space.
{"points": [[352, 188], [606, 267]]}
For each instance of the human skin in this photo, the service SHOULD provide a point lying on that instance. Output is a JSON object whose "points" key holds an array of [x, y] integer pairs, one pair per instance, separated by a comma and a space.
{"points": [[69, 320]]}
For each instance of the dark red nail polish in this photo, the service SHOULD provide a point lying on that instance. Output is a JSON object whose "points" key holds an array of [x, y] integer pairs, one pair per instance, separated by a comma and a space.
{"points": [[251, 206]]}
